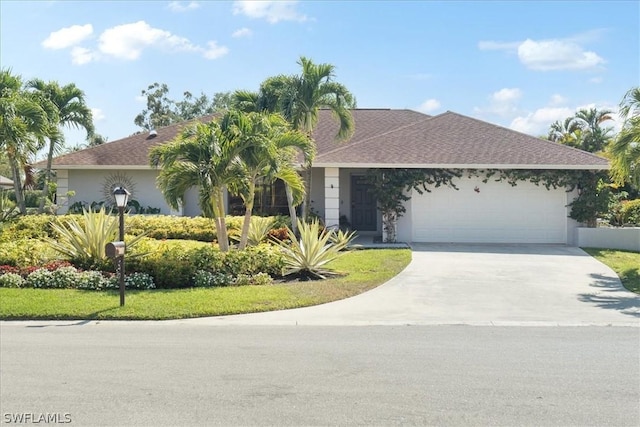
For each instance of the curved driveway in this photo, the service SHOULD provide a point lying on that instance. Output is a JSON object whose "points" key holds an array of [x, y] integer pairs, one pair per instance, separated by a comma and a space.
{"points": [[478, 285]]}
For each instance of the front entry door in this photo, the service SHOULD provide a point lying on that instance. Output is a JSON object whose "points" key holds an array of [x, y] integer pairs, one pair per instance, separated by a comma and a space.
{"points": [[363, 206]]}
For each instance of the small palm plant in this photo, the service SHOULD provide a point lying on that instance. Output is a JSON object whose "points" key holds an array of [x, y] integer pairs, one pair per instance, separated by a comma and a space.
{"points": [[83, 241], [259, 228], [308, 255], [8, 209]]}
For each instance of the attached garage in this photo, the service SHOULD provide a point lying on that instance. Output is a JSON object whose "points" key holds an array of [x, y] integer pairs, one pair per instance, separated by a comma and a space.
{"points": [[492, 212]]}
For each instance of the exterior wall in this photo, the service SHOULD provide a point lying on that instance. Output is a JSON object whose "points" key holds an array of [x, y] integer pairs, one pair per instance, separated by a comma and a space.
{"points": [[317, 191], [609, 238], [88, 187]]}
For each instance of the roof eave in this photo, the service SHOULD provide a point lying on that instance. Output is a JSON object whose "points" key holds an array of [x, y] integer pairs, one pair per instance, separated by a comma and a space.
{"points": [[458, 166]]}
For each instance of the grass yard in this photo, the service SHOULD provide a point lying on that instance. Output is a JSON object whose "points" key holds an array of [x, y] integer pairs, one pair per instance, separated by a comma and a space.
{"points": [[626, 265], [365, 269]]}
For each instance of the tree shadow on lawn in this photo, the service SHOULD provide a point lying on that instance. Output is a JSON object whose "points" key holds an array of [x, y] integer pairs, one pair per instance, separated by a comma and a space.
{"points": [[620, 299]]}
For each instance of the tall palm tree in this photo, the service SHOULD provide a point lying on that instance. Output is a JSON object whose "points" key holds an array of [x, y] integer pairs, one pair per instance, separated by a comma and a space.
{"points": [[314, 89], [23, 126], [565, 132], [69, 110], [200, 156], [595, 136], [268, 149], [625, 150], [299, 98]]}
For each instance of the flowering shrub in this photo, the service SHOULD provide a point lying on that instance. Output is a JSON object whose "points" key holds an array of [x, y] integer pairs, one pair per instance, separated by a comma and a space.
{"points": [[141, 281], [39, 278], [207, 279], [11, 280]]}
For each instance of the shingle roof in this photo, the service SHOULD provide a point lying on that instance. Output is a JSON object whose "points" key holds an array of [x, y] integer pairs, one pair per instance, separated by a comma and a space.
{"points": [[454, 140], [382, 138]]}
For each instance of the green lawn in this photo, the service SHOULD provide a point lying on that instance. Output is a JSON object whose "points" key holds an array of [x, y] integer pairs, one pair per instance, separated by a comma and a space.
{"points": [[626, 265], [365, 269]]}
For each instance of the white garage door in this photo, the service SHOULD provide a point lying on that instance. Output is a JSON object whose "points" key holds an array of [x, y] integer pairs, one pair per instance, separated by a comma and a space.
{"points": [[494, 212]]}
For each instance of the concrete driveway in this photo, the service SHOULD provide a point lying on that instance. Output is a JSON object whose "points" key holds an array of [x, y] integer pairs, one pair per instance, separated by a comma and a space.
{"points": [[478, 285]]}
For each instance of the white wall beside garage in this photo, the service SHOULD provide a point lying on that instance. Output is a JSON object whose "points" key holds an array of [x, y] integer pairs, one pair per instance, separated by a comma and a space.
{"points": [[492, 212]]}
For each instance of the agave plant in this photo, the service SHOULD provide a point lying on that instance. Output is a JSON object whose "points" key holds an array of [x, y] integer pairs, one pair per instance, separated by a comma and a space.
{"points": [[83, 240], [308, 255], [342, 239]]}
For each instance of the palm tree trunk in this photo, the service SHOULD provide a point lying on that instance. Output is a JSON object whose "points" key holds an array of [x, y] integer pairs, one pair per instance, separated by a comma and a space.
{"points": [[292, 209], [47, 176], [248, 203], [223, 238], [17, 184], [306, 203]]}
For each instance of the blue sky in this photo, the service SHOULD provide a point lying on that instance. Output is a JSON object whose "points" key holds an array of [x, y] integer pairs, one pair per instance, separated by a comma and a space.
{"points": [[518, 64]]}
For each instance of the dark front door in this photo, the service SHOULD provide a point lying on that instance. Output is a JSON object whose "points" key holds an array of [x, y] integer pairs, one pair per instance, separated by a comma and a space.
{"points": [[363, 206]]}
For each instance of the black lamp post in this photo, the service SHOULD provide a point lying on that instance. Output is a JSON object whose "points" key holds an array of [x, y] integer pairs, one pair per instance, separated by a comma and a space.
{"points": [[121, 195]]}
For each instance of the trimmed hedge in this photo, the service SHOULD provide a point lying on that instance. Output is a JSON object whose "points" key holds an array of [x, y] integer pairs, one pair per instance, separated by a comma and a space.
{"points": [[156, 226]]}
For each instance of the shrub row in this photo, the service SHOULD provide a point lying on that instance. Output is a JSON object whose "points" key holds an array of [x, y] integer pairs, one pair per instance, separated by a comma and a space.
{"points": [[174, 266], [156, 227], [68, 277]]}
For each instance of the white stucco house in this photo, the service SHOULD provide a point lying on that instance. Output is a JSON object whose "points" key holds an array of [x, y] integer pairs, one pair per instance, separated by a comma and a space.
{"points": [[492, 212]]}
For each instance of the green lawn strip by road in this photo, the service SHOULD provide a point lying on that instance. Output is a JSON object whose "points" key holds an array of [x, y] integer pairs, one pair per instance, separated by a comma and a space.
{"points": [[626, 264], [365, 270]]}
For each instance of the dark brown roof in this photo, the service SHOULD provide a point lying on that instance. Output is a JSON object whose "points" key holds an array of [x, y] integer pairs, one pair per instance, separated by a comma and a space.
{"points": [[382, 138], [131, 152], [454, 140]]}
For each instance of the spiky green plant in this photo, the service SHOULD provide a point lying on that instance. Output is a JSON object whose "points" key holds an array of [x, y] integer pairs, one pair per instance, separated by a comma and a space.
{"points": [[342, 239], [308, 255], [259, 228], [82, 240], [8, 209]]}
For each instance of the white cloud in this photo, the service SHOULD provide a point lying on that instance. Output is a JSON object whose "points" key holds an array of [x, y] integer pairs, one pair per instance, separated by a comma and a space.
{"points": [[129, 40], [81, 55], [98, 114], [67, 37], [538, 122], [557, 100], [214, 51], [179, 6], [507, 95], [502, 103], [242, 32], [556, 55], [547, 55], [429, 106], [272, 11], [595, 80]]}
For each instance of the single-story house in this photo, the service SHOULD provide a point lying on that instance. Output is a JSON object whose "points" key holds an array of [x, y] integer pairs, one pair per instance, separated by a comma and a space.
{"points": [[491, 212], [5, 183]]}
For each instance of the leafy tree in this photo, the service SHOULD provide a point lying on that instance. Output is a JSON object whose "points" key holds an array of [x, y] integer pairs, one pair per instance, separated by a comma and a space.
{"points": [[24, 125], [200, 156], [69, 109], [269, 147], [625, 150], [163, 111]]}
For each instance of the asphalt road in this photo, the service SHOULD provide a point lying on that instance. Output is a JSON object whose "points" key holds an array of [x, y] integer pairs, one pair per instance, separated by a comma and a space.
{"points": [[156, 374]]}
